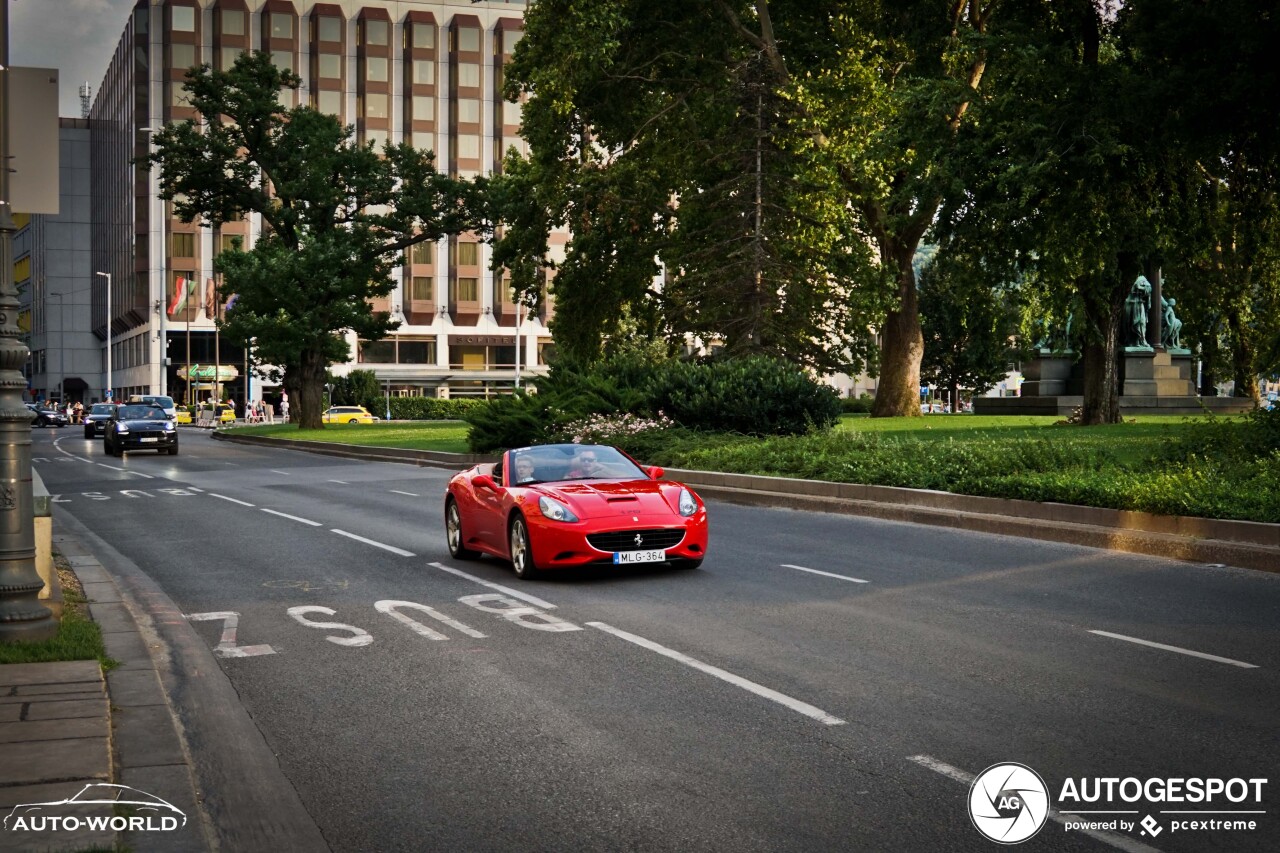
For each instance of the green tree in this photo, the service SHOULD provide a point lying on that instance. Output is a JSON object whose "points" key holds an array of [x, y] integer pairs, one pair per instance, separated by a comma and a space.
{"points": [[662, 140], [335, 215], [966, 325]]}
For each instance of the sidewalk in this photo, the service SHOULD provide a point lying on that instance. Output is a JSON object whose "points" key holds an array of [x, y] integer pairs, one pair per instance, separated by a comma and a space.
{"points": [[63, 727]]}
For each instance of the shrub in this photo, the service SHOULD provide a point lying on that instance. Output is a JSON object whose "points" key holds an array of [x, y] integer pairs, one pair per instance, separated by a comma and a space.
{"points": [[753, 396], [514, 421], [611, 429], [859, 405], [430, 408]]}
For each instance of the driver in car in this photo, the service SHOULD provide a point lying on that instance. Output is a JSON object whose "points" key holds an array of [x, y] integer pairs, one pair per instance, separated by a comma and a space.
{"points": [[586, 466], [524, 470]]}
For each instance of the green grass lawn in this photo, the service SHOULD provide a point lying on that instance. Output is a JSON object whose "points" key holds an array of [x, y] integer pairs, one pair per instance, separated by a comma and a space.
{"points": [[78, 637], [1216, 467], [447, 436]]}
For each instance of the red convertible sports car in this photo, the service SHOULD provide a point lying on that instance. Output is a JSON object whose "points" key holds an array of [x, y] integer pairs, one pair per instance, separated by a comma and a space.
{"points": [[559, 505]]}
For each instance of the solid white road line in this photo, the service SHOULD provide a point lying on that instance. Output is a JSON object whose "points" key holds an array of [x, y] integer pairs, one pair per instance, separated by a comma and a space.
{"points": [[514, 593], [393, 549], [410, 494], [1120, 842], [293, 517], [275, 471], [1180, 651], [233, 500], [824, 574], [736, 680], [340, 482]]}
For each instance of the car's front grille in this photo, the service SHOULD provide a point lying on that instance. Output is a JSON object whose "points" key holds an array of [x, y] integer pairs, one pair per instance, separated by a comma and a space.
{"points": [[636, 540]]}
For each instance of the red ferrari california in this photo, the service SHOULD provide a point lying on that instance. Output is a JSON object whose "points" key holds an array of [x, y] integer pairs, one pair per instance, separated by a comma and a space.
{"points": [[559, 505]]}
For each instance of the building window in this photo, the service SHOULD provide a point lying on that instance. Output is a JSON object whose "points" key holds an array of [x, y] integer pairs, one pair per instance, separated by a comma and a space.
{"points": [[282, 59], [379, 138], [229, 241], [375, 69], [422, 253], [469, 74], [377, 352], [468, 39], [466, 254], [468, 111], [184, 19], [329, 29], [466, 290], [182, 55], [420, 288], [182, 245], [376, 32], [330, 66], [281, 25], [329, 102], [546, 351], [232, 22], [469, 146], [424, 108], [416, 351], [424, 72], [512, 114], [227, 57], [424, 35], [375, 106], [424, 140], [178, 95]]}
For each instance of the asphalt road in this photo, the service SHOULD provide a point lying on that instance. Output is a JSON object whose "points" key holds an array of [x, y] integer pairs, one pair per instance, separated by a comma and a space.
{"points": [[823, 682]]}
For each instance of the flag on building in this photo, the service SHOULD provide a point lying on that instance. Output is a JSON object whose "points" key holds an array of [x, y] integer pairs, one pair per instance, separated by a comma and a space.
{"points": [[181, 292]]}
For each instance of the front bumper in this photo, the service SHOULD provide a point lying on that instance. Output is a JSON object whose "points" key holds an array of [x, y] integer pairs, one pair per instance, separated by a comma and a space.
{"points": [[139, 441], [557, 544]]}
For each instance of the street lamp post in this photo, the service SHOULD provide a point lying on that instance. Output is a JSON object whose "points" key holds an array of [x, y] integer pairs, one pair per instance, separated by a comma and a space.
{"points": [[22, 616], [62, 343], [108, 393]]}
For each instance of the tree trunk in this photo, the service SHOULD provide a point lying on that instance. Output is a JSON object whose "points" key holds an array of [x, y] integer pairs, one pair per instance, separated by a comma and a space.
{"points": [[1242, 359], [310, 386], [902, 349], [1102, 354]]}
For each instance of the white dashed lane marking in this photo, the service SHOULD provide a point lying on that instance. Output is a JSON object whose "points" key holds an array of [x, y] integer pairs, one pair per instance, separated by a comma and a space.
{"points": [[1177, 649], [393, 549], [292, 517], [824, 574], [233, 500]]}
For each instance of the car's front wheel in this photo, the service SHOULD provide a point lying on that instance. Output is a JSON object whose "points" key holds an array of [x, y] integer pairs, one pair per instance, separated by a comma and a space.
{"points": [[453, 532], [521, 550], [173, 451], [106, 448]]}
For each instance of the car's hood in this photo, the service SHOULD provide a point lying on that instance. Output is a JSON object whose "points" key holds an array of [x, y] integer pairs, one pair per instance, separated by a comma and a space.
{"points": [[602, 498]]}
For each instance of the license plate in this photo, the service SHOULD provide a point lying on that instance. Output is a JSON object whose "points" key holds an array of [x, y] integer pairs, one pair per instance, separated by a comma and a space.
{"points": [[145, 440], [639, 556]]}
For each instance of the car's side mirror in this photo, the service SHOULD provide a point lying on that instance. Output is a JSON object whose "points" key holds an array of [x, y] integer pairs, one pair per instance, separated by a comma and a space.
{"points": [[484, 481], [655, 472]]}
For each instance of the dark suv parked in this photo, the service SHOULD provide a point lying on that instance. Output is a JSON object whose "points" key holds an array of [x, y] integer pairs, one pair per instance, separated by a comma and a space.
{"points": [[47, 417]]}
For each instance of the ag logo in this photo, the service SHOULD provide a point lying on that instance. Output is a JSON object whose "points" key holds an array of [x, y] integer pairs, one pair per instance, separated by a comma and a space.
{"points": [[1008, 803]]}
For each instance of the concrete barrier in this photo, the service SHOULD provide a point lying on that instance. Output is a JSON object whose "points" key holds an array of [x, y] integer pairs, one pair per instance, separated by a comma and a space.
{"points": [[42, 504]]}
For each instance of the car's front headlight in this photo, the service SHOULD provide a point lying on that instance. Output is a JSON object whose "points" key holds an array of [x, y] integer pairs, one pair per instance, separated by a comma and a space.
{"points": [[122, 427], [688, 506], [169, 427], [555, 510]]}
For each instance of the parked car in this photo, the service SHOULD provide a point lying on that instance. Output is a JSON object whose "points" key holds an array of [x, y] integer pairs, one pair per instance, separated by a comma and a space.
{"points": [[561, 505], [42, 416], [183, 416], [140, 427], [95, 420], [347, 415]]}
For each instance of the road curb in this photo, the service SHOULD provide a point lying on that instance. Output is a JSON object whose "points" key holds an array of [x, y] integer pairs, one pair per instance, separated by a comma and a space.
{"points": [[1246, 544]]}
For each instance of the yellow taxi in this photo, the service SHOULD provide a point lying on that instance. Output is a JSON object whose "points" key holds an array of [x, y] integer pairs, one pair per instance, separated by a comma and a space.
{"points": [[347, 415], [183, 416], [228, 415]]}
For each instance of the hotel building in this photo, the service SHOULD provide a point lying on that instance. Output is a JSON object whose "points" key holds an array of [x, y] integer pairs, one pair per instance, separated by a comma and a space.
{"points": [[426, 73]]}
